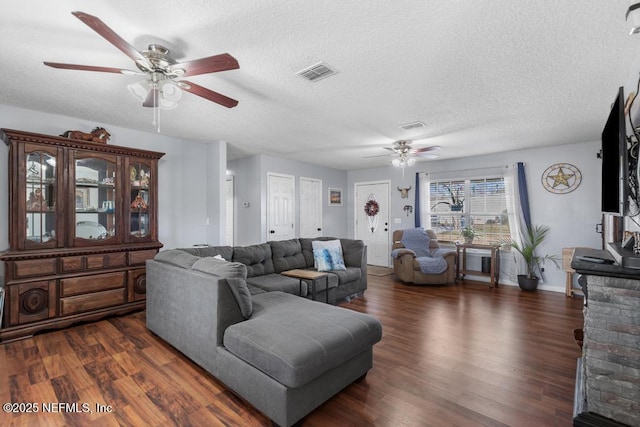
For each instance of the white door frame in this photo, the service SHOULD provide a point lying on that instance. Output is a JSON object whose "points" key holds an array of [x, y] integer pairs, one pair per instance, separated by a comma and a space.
{"points": [[355, 210], [231, 206]]}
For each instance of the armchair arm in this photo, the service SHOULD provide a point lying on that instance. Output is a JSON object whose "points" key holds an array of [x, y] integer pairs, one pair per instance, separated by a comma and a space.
{"points": [[400, 252]]}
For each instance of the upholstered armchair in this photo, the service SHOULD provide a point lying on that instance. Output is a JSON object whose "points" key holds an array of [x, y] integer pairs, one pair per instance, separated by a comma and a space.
{"points": [[408, 269]]}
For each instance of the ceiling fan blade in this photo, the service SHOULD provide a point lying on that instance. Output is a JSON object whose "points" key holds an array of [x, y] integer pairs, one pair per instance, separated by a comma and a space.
{"points": [[389, 148], [427, 155], [207, 94], [101, 28], [425, 149], [153, 98], [379, 155], [89, 68], [211, 64]]}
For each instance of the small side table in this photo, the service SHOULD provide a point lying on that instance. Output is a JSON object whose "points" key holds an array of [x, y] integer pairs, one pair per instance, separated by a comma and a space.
{"points": [[312, 277], [461, 266]]}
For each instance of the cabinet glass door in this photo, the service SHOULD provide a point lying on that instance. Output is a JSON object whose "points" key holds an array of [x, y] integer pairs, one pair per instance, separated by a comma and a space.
{"points": [[41, 195], [95, 200], [140, 199]]}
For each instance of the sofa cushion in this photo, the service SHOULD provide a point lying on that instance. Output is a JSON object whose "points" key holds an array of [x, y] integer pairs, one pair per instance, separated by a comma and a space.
{"points": [[328, 255], [225, 252], [177, 257], [221, 267], [353, 252], [287, 255], [257, 258], [276, 282], [348, 275], [295, 352]]}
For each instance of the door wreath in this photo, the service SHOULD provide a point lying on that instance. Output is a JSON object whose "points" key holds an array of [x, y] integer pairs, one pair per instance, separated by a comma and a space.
{"points": [[371, 208]]}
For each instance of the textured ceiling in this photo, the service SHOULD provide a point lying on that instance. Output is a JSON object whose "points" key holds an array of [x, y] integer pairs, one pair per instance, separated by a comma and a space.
{"points": [[484, 76]]}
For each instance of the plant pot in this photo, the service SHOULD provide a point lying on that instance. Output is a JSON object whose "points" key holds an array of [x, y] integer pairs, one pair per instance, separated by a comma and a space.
{"points": [[468, 240], [527, 283]]}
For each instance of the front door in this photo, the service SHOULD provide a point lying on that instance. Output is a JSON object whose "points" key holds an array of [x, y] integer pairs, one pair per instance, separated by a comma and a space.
{"points": [[280, 207], [310, 207], [372, 220]]}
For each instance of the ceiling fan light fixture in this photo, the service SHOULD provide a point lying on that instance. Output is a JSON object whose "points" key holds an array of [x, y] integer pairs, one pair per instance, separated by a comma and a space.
{"points": [[170, 93], [169, 96], [411, 161]]}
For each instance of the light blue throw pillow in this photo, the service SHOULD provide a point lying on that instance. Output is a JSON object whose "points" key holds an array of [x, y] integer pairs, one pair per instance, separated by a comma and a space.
{"points": [[328, 255]]}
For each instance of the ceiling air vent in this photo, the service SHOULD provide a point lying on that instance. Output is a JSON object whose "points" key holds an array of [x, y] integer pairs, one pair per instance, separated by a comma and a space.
{"points": [[412, 125], [317, 72]]}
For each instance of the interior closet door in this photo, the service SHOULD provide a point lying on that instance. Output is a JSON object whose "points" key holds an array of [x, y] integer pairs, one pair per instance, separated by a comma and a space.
{"points": [[280, 207], [310, 207]]}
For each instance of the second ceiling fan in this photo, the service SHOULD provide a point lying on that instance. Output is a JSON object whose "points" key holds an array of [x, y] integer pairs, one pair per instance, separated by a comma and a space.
{"points": [[404, 154], [158, 67]]}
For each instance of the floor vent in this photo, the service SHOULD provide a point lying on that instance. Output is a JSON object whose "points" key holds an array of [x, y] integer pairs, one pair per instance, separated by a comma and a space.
{"points": [[317, 72], [412, 125]]}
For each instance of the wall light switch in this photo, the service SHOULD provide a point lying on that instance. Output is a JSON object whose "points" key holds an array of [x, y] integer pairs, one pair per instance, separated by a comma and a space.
{"points": [[397, 220]]}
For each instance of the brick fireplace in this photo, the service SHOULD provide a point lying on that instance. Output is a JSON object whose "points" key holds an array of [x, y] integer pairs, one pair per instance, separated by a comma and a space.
{"points": [[611, 350]]}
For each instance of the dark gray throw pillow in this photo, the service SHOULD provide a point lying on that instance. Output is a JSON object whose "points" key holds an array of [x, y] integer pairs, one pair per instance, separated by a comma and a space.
{"points": [[221, 267], [241, 293]]}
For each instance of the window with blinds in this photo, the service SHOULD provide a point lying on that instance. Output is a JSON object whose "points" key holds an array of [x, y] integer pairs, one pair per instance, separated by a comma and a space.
{"points": [[479, 203]]}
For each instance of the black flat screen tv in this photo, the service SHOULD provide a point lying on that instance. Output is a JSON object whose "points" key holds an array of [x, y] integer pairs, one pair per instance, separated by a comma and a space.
{"points": [[615, 167]]}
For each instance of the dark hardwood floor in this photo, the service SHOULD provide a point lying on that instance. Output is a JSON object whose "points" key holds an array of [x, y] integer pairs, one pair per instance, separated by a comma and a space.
{"points": [[462, 355]]}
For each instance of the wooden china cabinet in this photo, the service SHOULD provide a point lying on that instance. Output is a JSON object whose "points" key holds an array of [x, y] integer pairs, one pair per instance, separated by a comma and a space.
{"points": [[82, 222]]}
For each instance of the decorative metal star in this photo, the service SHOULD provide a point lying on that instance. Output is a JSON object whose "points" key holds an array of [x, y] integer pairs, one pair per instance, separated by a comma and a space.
{"points": [[561, 178]]}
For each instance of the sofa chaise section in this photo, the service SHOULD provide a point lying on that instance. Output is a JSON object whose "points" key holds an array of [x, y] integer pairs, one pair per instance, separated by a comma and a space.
{"points": [[286, 357]]}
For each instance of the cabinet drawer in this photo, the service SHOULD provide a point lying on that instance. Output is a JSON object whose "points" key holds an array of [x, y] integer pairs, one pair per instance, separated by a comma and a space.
{"points": [[93, 301], [71, 263], [139, 257], [34, 267], [118, 259], [95, 261], [89, 284]]}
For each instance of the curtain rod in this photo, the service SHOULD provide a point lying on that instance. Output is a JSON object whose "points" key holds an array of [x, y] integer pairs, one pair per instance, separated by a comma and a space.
{"points": [[513, 165]]}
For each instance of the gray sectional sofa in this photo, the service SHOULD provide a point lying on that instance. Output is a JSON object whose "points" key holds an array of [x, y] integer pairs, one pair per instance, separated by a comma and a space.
{"points": [[266, 261], [282, 353]]}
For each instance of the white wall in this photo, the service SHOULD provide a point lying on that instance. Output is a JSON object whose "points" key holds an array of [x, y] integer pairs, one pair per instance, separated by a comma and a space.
{"points": [[183, 188], [572, 217], [250, 175]]}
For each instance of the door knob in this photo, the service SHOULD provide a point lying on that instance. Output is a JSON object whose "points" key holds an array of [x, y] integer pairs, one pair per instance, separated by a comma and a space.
{"points": [[319, 229], [272, 231]]}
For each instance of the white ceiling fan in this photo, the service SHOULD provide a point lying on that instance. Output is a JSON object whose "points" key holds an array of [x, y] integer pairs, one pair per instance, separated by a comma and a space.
{"points": [[404, 154]]}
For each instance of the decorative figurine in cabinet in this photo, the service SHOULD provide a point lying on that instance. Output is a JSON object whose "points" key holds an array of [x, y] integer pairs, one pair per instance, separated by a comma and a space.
{"points": [[82, 223]]}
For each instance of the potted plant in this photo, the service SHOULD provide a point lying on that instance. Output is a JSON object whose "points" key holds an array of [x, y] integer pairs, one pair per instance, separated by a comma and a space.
{"points": [[531, 240], [457, 201], [469, 234]]}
